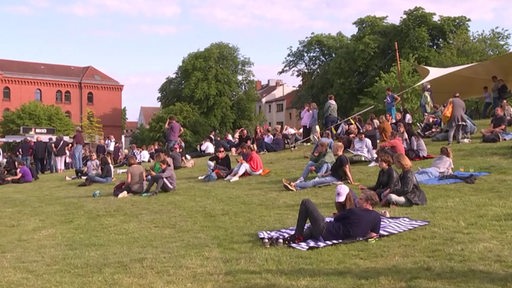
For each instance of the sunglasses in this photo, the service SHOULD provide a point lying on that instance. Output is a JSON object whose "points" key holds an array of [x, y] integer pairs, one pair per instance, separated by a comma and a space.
{"points": [[220, 151]]}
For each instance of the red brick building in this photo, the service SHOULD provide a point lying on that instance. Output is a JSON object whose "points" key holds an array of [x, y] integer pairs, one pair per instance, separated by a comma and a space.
{"points": [[73, 89]]}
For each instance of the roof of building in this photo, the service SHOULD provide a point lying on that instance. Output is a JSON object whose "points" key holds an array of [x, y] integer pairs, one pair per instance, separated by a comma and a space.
{"points": [[288, 98], [56, 72], [147, 113]]}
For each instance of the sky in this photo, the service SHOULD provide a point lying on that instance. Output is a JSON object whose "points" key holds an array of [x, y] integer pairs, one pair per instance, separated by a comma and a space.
{"points": [[141, 42]]}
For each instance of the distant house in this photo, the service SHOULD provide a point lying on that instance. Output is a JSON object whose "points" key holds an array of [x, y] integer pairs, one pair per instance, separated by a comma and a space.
{"points": [[74, 89], [276, 103], [131, 127], [145, 115]]}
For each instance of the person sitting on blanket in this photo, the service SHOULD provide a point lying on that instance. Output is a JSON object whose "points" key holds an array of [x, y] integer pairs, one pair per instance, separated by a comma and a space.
{"points": [[249, 162], [387, 179], [165, 179], [354, 223], [417, 148], [320, 161], [340, 171], [408, 193], [362, 146], [441, 165], [219, 166]]}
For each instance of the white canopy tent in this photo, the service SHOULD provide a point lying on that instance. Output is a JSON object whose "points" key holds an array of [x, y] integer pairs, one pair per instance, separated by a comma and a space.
{"points": [[468, 80]]}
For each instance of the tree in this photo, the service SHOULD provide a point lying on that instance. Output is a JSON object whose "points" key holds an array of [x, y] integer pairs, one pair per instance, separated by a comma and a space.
{"points": [[124, 118], [91, 127], [217, 83], [38, 115]]}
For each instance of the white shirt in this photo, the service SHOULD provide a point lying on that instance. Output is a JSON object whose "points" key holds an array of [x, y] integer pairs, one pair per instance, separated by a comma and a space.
{"points": [[363, 147], [207, 147], [144, 156], [268, 138]]}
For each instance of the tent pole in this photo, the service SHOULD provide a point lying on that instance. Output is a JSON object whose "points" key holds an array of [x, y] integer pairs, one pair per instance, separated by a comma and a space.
{"points": [[399, 73]]}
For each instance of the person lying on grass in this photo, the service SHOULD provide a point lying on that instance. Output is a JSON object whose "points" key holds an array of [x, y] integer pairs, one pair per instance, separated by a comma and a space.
{"points": [[441, 165], [353, 223], [340, 171], [408, 193]]}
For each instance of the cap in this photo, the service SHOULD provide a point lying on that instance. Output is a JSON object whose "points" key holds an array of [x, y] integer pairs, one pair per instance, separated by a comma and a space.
{"points": [[341, 192]]}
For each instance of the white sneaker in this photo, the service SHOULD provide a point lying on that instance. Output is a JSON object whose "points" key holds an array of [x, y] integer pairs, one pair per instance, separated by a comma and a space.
{"points": [[373, 164], [68, 178], [228, 178], [122, 194], [233, 179], [201, 177]]}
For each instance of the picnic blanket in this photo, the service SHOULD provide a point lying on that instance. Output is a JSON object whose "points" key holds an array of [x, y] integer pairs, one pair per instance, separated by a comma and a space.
{"points": [[437, 181], [388, 226]]}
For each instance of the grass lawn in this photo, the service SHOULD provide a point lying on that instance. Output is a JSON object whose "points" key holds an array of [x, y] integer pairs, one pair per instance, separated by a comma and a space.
{"points": [[55, 234]]}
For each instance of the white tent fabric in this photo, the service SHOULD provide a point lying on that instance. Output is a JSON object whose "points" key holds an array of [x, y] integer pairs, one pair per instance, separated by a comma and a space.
{"points": [[468, 80]]}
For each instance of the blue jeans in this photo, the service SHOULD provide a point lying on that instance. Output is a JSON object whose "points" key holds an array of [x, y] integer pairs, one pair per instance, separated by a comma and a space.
{"points": [[96, 179], [77, 156], [326, 167], [315, 182], [26, 160], [427, 173]]}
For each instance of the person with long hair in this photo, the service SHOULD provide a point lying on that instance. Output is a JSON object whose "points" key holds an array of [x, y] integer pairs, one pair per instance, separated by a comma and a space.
{"points": [[408, 193], [442, 165]]}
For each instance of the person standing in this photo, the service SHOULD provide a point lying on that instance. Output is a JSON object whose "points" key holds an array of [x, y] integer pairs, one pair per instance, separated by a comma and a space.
{"points": [[457, 119], [313, 123], [78, 142], [40, 155], [305, 116], [390, 102], [25, 151], [487, 102], [173, 131], [50, 156], [426, 104], [330, 112]]}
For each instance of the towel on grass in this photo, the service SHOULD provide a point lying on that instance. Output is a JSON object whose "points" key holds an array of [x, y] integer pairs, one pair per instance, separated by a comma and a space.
{"points": [[388, 226], [438, 181]]}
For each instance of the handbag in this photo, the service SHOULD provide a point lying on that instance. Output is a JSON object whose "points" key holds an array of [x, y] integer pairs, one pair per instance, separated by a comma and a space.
{"points": [[447, 112]]}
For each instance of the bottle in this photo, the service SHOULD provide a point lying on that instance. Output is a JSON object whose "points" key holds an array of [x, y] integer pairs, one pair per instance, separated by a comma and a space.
{"points": [[96, 194], [266, 243]]}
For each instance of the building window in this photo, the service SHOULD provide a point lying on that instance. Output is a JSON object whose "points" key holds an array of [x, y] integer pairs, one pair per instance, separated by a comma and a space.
{"points": [[280, 124], [67, 97], [90, 98], [68, 114], [58, 96], [280, 107], [289, 116], [38, 95], [7, 94], [269, 108]]}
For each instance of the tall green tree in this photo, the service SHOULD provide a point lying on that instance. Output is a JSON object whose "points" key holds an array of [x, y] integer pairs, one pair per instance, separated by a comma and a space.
{"points": [[217, 82], [38, 115], [92, 128]]}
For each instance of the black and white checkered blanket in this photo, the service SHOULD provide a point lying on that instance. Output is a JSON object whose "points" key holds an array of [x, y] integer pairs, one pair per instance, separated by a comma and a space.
{"points": [[388, 226]]}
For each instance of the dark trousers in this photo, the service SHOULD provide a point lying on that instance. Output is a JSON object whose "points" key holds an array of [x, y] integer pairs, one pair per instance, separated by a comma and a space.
{"points": [[308, 211], [306, 133], [40, 165], [161, 184]]}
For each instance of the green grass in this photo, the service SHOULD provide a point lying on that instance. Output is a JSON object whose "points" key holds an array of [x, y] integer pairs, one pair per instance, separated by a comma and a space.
{"points": [[54, 234]]}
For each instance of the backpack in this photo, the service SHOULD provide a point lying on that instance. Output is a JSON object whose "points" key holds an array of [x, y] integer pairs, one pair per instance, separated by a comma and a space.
{"points": [[492, 138]]}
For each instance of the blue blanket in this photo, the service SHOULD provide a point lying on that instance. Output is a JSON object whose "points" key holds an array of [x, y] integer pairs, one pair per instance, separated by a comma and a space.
{"points": [[388, 226], [437, 181]]}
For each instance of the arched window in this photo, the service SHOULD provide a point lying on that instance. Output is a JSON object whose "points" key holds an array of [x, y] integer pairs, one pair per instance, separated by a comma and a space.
{"points": [[58, 96], [90, 98], [67, 97], [7, 94], [68, 114], [38, 95]]}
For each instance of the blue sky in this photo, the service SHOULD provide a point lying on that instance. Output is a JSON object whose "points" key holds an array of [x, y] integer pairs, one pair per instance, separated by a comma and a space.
{"points": [[141, 42]]}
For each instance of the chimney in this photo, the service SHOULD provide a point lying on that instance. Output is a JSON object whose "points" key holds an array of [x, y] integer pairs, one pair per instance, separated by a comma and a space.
{"points": [[258, 85]]}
